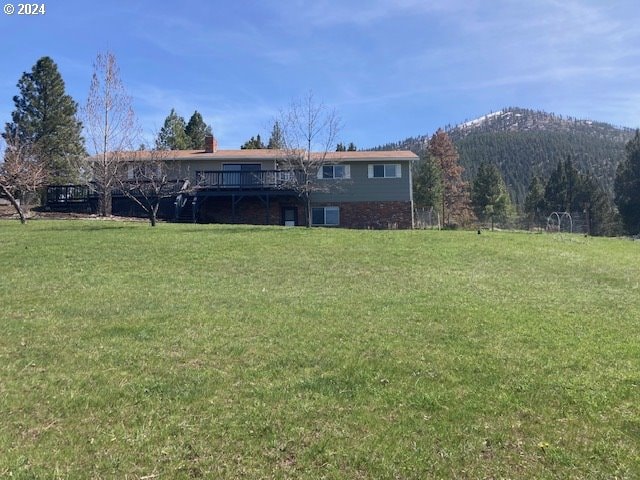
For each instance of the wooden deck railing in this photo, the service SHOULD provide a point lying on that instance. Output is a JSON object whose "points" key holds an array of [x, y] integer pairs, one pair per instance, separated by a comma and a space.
{"points": [[247, 180], [205, 181]]}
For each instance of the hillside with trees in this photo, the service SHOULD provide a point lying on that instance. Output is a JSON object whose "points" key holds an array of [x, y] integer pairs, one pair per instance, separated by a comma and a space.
{"points": [[526, 143]]}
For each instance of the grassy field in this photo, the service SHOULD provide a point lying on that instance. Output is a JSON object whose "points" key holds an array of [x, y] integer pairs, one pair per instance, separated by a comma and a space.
{"points": [[190, 351]]}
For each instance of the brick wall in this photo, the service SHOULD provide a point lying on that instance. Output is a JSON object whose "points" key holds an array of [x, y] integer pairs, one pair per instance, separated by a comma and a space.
{"points": [[249, 210], [373, 215], [252, 211]]}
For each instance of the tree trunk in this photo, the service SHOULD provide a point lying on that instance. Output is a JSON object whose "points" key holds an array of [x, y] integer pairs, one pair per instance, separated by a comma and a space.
{"points": [[15, 204], [307, 209], [104, 207], [153, 214], [443, 206]]}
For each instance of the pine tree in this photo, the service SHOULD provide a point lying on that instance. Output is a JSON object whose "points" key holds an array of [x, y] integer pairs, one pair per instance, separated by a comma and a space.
{"points": [[573, 185], [253, 144], [455, 198], [427, 182], [489, 196], [569, 190], [534, 203], [172, 135], [340, 147], [45, 119], [276, 140], [627, 186], [196, 130], [601, 217], [563, 188], [555, 190]]}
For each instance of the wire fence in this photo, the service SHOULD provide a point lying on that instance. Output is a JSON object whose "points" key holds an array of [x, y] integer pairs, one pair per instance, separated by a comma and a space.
{"points": [[556, 222]]}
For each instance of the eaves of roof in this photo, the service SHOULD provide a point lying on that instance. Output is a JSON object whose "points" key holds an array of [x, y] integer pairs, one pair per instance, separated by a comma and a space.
{"points": [[268, 154]]}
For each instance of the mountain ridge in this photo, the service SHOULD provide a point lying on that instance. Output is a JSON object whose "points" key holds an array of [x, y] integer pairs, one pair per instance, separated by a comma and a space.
{"points": [[523, 143]]}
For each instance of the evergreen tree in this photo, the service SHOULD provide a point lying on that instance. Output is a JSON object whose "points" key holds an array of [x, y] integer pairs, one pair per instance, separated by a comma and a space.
{"points": [[276, 140], [569, 190], [253, 144], [427, 182], [563, 188], [45, 119], [455, 198], [627, 186], [534, 203], [340, 147], [555, 191], [172, 135], [196, 130], [489, 196], [573, 185], [600, 215]]}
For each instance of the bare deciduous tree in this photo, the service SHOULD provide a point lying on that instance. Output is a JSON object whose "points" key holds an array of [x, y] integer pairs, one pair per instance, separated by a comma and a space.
{"points": [[23, 172], [111, 126], [145, 178], [308, 133]]}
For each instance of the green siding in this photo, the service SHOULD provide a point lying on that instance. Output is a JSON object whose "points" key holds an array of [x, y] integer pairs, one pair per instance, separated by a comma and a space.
{"points": [[189, 168], [361, 188]]}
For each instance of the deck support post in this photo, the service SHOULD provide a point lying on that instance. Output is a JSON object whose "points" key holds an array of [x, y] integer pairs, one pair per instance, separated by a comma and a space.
{"points": [[268, 208], [194, 209]]}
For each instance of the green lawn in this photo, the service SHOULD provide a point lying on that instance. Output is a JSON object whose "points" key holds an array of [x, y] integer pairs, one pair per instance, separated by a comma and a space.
{"points": [[191, 351]]}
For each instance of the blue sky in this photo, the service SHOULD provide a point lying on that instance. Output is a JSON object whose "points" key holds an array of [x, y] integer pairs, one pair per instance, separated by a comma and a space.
{"points": [[391, 69]]}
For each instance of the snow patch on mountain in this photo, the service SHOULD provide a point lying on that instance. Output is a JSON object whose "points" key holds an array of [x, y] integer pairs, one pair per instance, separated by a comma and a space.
{"points": [[480, 120]]}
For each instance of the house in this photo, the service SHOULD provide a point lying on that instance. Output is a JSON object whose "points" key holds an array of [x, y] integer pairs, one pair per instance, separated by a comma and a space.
{"points": [[361, 189]]}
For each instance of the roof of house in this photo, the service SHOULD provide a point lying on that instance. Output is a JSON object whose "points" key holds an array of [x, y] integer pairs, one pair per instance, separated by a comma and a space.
{"points": [[269, 154]]}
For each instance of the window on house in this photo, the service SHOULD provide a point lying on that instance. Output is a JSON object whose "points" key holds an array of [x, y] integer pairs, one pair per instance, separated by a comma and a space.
{"points": [[325, 216], [392, 170], [334, 171], [143, 171]]}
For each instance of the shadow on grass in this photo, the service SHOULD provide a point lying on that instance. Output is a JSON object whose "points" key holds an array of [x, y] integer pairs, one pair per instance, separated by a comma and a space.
{"points": [[92, 228], [232, 230]]}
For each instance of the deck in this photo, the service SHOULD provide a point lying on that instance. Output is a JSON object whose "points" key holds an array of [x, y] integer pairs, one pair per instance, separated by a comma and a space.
{"points": [[243, 181], [185, 205]]}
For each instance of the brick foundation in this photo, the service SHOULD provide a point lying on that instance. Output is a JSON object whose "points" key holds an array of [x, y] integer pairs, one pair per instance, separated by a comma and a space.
{"points": [[373, 215], [249, 210], [253, 211]]}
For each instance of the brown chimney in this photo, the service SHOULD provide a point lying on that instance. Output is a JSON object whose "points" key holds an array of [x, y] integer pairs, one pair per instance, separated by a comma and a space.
{"points": [[210, 144]]}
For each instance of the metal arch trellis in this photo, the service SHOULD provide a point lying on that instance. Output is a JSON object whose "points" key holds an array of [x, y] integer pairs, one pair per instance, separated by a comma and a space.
{"points": [[554, 221]]}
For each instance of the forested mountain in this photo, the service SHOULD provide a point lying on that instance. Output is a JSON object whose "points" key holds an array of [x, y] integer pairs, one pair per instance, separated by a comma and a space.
{"points": [[524, 143]]}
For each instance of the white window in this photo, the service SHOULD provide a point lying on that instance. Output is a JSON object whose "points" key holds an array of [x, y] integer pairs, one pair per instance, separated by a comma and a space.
{"points": [[334, 171], [386, 170], [325, 216]]}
